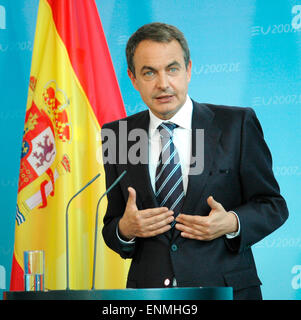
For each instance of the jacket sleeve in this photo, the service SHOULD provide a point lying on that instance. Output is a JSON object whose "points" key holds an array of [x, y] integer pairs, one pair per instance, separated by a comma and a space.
{"points": [[115, 208], [263, 209]]}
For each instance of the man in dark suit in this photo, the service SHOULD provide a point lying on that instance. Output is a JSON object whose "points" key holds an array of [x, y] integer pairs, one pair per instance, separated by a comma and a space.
{"points": [[227, 198]]}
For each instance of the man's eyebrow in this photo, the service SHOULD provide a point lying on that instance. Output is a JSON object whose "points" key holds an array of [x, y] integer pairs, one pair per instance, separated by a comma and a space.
{"points": [[173, 64], [147, 68]]}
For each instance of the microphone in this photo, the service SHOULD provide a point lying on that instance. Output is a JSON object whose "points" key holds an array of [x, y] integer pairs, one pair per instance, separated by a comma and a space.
{"points": [[67, 228], [96, 224]]}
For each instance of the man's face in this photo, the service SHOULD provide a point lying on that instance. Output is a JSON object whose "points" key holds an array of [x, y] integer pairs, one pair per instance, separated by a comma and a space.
{"points": [[161, 76]]}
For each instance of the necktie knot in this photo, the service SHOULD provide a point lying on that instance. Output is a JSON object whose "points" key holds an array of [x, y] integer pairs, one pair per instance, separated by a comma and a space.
{"points": [[166, 129]]}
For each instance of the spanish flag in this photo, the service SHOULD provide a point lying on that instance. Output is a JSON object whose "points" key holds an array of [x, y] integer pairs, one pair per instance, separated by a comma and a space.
{"points": [[73, 90]]}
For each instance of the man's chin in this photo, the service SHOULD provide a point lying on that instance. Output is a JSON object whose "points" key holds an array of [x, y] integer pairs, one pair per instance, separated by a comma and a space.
{"points": [[168, 112]]}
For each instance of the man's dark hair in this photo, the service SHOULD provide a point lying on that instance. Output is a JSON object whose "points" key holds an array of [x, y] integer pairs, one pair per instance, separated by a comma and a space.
{"points": [[158, 32]]}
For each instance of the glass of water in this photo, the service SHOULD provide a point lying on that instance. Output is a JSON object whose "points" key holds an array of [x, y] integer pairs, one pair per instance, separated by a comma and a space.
{"points": [[34, 270]]}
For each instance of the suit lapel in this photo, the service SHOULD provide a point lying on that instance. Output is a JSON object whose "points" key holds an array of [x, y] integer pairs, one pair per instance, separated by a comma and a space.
{"points": [[139, 172], [202, 118]]}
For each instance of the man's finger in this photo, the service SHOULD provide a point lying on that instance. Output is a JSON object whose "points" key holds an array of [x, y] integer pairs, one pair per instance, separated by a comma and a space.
{"points": [[213, 204], [148, 213], [132, 197], [155, 232], [157, 224], [191, 219]]}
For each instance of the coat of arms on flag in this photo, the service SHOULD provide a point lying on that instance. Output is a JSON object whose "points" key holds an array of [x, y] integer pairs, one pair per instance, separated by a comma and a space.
{"points": [[45, 126]]}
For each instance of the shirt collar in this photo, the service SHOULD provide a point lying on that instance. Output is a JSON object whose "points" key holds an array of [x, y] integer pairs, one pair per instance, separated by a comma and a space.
{"points": [[182, 118]]}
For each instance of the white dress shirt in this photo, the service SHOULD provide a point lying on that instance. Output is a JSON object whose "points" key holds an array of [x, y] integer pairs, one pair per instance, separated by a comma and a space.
{"points": [[181, 138]]}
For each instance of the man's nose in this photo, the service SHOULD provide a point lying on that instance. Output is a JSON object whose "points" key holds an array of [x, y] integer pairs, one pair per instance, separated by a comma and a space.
{"points": [[162, 81]]}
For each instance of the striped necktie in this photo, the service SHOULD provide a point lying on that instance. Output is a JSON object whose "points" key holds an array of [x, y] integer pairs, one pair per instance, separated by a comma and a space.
{"points": [[169, 180]]}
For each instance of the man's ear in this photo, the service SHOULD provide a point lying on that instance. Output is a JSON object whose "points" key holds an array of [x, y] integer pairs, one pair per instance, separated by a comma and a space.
{"points": [[188, 69], [133, 79]]}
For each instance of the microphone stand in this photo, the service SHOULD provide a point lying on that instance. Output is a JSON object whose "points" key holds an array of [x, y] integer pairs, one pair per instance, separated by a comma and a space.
{"points": [[96, 224], [67, 229]]}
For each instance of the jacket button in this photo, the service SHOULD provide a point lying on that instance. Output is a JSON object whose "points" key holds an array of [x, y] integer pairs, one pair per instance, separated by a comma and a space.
{"points": [[166, 282], [174, 247]]}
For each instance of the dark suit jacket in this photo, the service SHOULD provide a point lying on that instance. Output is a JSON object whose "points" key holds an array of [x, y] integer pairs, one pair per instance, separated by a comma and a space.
{"points": [[237, 172]]}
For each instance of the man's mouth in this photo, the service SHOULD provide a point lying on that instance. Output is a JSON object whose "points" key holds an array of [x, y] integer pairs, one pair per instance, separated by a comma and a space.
{"points": [[164, 98]]}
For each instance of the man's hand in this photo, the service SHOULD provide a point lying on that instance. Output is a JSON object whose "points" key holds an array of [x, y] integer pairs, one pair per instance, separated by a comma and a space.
{"points": [[143, 223], [218, 223]]}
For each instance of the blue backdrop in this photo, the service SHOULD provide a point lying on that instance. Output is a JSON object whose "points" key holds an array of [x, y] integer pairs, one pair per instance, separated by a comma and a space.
{"points": [[244, 53]]}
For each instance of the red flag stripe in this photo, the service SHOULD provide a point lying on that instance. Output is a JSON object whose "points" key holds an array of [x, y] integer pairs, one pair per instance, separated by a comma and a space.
{"points": [[88, 51]]}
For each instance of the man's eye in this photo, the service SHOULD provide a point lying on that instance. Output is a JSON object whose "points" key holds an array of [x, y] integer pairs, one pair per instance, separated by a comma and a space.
{"points": [[148, 73], [173, 70]]}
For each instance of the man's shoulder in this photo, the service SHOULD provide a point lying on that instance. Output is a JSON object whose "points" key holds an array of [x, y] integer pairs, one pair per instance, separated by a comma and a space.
{"points": [[224, 111], [222, 108]]}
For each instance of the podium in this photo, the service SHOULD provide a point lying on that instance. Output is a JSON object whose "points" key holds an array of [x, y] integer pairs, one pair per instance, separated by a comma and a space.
{"points": [[194, 293]]}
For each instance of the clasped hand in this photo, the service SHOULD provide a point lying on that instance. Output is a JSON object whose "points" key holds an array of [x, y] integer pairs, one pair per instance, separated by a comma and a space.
{"points": [[155, 221]]}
